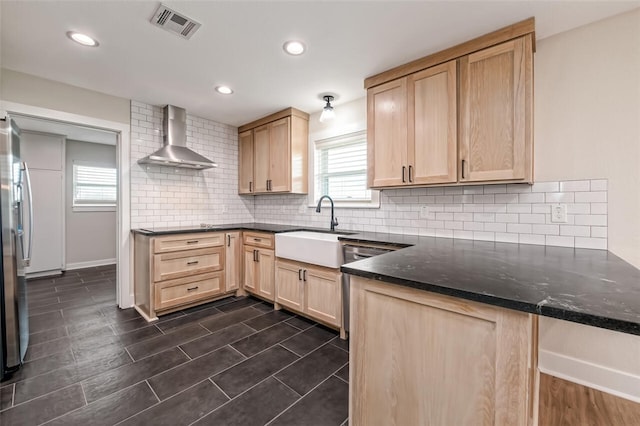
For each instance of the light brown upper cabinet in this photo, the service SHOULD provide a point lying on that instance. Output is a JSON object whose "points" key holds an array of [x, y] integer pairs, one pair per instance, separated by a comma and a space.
{"points": [[245, 162], [458, 116], [412, 128], [495, 120], [272, 154]]}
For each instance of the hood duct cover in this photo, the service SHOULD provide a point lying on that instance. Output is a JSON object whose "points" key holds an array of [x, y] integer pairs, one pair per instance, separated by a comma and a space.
{"points": [[175, 153]]}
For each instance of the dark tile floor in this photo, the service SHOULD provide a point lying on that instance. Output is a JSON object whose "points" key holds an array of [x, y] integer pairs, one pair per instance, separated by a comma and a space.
{"points": [[235, 361]]}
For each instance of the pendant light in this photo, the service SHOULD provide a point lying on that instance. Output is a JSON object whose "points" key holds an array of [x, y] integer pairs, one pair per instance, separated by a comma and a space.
{"points": [[327, 112]]}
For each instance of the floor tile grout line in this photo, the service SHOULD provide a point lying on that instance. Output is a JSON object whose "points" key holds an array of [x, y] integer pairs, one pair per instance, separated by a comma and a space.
{"points": [[340, 378], [287, 386], [299, 399], [43, 395], [241, 354], [186, 354], [216, 385], [154, 392]]}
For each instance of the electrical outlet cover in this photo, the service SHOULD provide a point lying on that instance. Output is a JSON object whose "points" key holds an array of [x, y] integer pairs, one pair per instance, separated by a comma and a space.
{"points": [[559, 213], [424, 212]]}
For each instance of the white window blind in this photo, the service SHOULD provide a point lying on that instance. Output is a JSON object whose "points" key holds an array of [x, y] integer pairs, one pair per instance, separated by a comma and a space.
{"points": [[94, 186], [341, 168]]}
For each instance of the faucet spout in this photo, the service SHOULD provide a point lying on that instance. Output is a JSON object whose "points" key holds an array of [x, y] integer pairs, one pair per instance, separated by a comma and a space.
{"points": [[334, 220]]}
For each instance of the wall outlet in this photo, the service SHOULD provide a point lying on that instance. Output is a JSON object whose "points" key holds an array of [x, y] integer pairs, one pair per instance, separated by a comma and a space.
{"points": [[559, 213], [424, 212]]}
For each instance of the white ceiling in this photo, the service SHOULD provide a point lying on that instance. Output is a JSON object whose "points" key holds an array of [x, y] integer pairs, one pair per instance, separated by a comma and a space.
{"points": [[240, 44]]}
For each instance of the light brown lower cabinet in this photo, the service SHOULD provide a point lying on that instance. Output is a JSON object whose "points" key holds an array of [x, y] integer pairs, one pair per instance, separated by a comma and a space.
{"points": [[173, 272], [419, 358], [259, 272], [311, 290]]}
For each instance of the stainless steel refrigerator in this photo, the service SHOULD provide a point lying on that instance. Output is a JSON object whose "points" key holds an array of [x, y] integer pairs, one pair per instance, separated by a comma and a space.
{"points": [[15, 212]]}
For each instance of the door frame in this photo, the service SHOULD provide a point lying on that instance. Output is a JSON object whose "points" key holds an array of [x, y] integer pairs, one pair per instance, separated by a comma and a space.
{"points": [[124, 247]]}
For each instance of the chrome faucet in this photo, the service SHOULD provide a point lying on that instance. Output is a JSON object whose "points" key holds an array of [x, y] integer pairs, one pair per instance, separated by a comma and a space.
{"points": [[334, 220]]}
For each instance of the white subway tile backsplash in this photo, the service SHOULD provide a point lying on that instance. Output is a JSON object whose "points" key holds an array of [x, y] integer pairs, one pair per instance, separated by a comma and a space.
{"points": [[506, 198], [575, 185], [532, 218], [591, 197], [575, 230], [495, 227], [473, 190], [515, 188], [592, 219], [546, 229], [598, 184], [519, 208], [531, 239], [591, 243], [598, 208], [495, 189], [531, 198], [599, 231], [507, 218], [506, 238], [545, 187], [519, 228], [559, 197], [561, 241], [484, 236]]}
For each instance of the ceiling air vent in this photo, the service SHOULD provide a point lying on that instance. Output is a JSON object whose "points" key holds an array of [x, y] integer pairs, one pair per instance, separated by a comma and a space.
{"points": [[174, 22]]}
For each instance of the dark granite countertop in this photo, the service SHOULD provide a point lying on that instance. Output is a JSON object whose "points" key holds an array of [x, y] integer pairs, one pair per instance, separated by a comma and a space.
{"points": [[592, 287]]}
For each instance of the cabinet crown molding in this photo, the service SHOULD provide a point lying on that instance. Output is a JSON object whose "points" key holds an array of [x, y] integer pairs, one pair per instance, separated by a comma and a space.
{"points": [[273, 117], [510, 32]]}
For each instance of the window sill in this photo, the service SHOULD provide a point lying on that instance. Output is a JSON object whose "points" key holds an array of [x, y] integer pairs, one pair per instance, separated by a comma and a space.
{"points": [[81, 209]]}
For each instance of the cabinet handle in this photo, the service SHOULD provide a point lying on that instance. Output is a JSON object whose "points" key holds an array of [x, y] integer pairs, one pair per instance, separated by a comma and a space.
{"points": [[299, 274], [463, 161], [403, 170], [228, 240], [257, 240], [304, 275], [193, 262], [254, 256], [267, 184], [410, 174], [192, 288], [250, 186], [192, 242]]}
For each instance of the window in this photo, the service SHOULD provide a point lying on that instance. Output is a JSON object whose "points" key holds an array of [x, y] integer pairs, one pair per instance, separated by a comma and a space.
{"points": [[340, 170], [94, 187]]}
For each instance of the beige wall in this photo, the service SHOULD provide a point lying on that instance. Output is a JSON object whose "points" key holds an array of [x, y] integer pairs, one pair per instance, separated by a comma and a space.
{"points": [[587, 125], [31, 90], [90, 235]]}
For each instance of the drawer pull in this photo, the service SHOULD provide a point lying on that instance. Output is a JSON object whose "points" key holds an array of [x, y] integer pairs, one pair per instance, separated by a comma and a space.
{"points": [[257, 240], [192, 288], [192, 242], [228, 240], [299, 274], [193, 262], [304, 275]]}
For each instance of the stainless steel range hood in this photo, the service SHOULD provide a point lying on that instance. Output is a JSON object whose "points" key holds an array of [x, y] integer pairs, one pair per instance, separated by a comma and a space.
{"points": [[175, 153]]}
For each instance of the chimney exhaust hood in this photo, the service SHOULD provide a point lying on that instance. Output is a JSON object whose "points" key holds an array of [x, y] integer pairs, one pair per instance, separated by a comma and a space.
{"points": [[175, 153]]}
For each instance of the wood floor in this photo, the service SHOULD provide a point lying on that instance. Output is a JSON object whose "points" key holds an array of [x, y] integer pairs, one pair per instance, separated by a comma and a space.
{"points": [[231, 362], [564, 403]]}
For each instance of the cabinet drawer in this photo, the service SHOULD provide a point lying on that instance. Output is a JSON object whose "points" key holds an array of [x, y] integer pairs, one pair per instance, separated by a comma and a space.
{"points": [[258, 239], [186, 290], [188, 262], [187, 242]]}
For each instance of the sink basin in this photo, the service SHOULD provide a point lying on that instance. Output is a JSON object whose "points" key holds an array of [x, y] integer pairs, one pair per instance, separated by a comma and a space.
{"points": [[317, 248]]}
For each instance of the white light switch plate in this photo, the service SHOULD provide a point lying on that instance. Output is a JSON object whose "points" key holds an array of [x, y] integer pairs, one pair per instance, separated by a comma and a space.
{"points": [[559, 213]]}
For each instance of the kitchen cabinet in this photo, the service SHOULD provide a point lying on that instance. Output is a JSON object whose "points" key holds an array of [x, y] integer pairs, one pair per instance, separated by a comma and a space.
{"points": [[272, 154], [233, 261], [412, 129], [406, 343], [245, 162], [311, 290], [259, 264], [174, 272], [459, 116], [496, 107]]}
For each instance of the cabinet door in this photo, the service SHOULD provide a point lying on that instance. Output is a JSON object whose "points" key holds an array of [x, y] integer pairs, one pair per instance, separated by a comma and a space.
{"points": [[322, 294], [245, 162], [432, 132], [280, 155], [261, 158], [233, 261], [495, 121], [387, 133], [289, 285], [250, 283], [266, 274]]}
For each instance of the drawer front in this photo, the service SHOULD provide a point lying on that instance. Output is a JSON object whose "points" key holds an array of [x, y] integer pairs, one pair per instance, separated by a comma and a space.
{"points": [[187, 242], [258, 239], [189, 262], [187, 290]]}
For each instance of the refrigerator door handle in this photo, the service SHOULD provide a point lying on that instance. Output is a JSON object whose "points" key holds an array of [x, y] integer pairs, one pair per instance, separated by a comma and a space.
{"points": [[27, 258]]}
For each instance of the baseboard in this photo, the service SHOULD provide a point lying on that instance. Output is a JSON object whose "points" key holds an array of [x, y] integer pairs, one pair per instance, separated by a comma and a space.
{"points": [[44, 274], [605, 379], [90, 264]]}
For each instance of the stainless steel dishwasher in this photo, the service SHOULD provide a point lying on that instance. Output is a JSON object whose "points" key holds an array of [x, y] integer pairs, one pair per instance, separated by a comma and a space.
{"points": [[351, 254]]}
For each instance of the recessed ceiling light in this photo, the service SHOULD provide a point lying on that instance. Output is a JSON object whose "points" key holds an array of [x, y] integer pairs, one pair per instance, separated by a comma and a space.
{"points": [[224, 90], [294, 47], [82, 39]]}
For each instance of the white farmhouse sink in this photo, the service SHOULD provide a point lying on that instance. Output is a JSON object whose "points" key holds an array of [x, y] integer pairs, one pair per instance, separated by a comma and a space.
{"points": [[317, 248]]}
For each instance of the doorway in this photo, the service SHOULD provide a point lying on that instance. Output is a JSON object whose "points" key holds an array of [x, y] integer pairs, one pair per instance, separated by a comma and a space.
{"points": [[119, 131]]}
